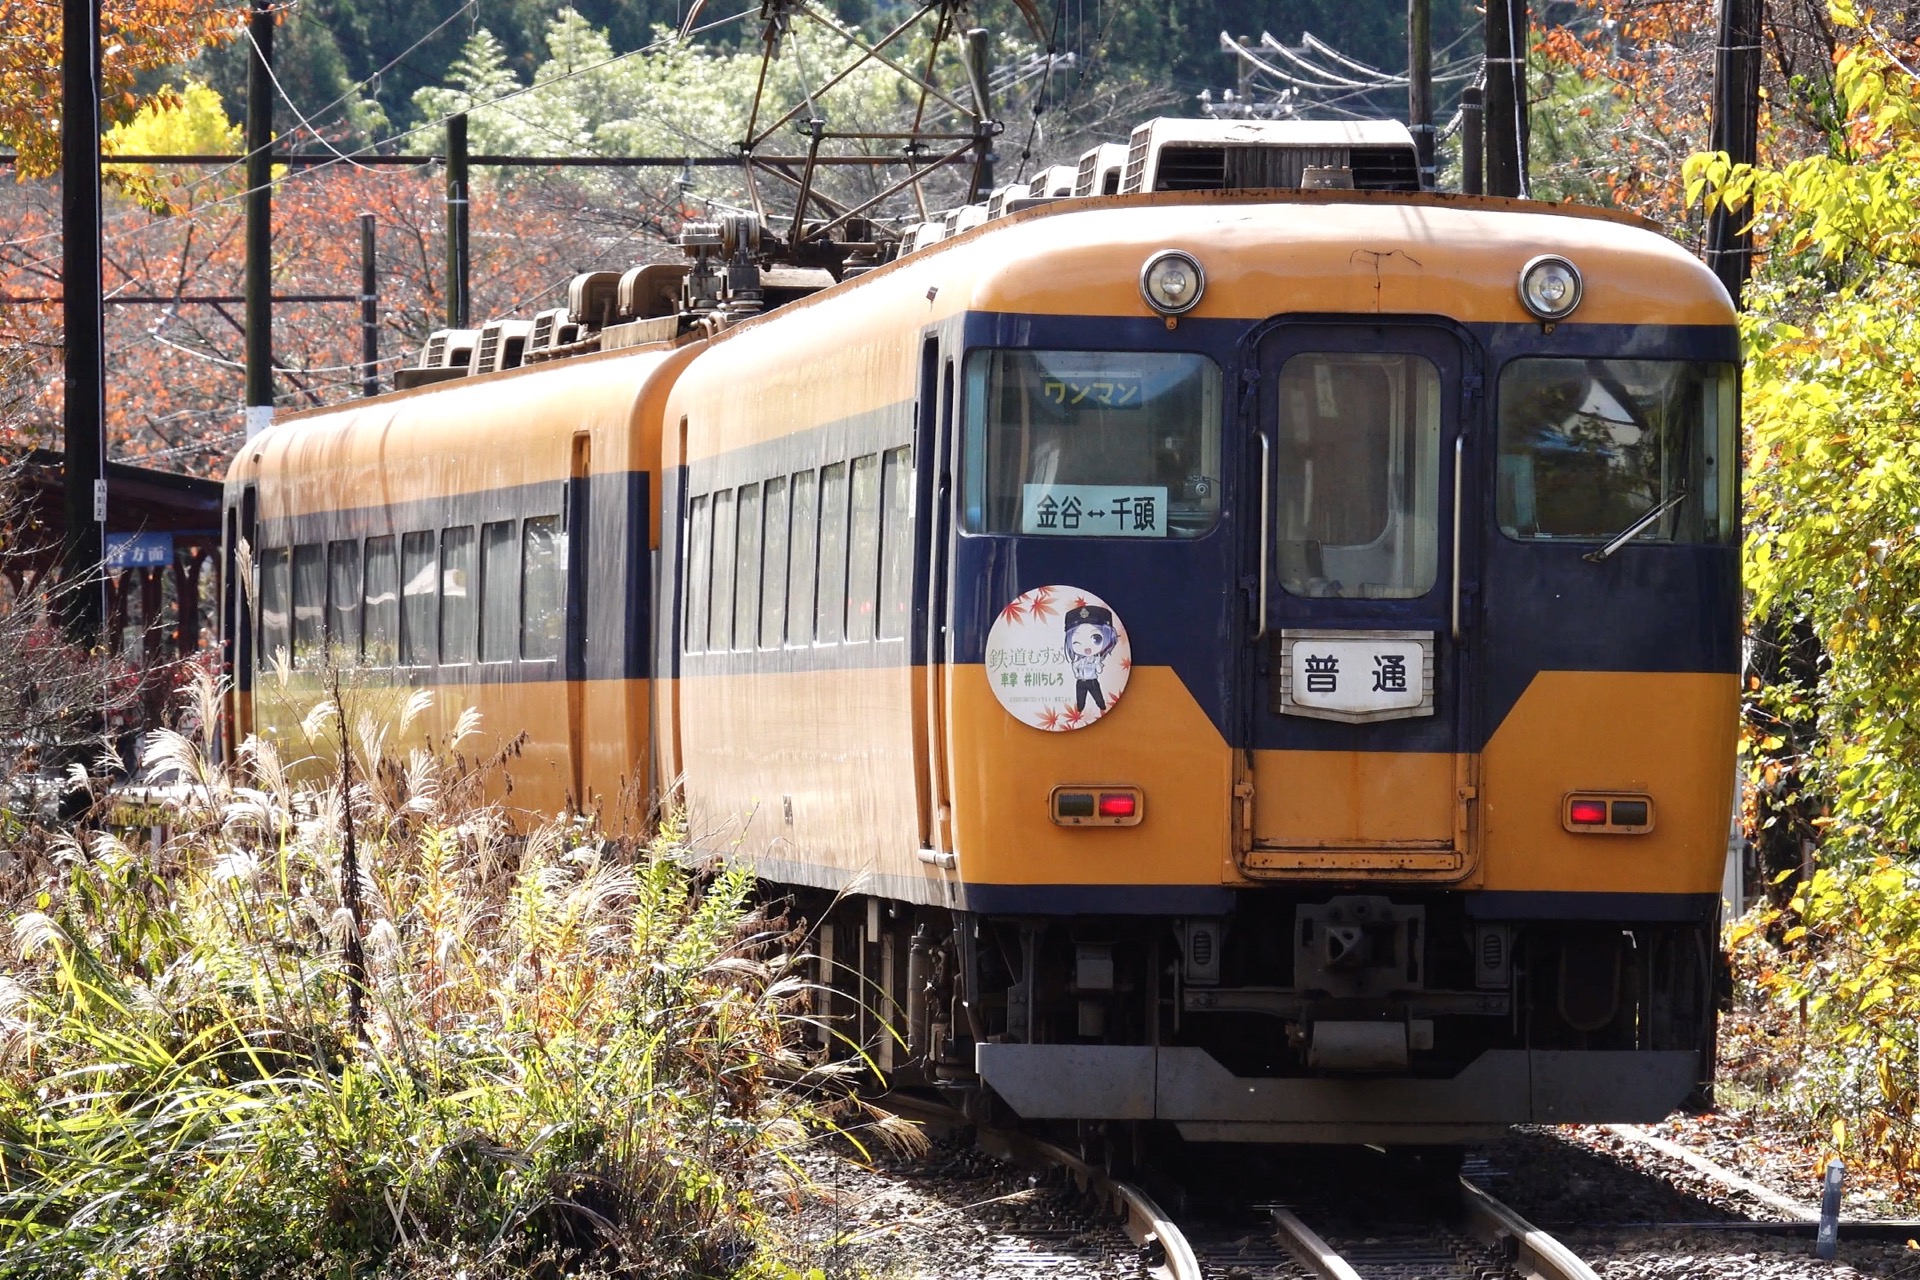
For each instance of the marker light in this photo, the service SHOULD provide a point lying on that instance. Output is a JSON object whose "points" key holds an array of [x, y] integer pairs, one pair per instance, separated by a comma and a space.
{"points": [[1550, 287], [1094, 805], [1587, 813], [1172, 282], [1607, 813]]}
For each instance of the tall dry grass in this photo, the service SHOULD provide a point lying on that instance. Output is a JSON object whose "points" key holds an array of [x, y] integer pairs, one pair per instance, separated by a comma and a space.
{"points": [[574, 1055]]}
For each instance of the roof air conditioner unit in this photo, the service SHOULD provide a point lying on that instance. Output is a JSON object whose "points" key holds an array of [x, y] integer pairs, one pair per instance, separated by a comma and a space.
{"points": [[1100, 170], [449, 349], [503, 344]]}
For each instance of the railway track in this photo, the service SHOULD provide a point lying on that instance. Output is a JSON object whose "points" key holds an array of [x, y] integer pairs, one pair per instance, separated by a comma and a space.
{"points": [[1481, 1240], [1346, 1227]]}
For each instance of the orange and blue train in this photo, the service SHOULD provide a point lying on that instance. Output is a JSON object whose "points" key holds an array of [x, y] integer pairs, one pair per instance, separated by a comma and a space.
{"points": [[1262, 662]]}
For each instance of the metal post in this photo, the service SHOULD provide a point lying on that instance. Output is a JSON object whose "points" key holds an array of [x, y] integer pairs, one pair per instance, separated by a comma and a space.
{"points": [[1827, 1242], [458, 259], [1420, 86], [85, 409], [369, 312], [259, 269], [983, 122], [1473, 138], [1736, 107]]}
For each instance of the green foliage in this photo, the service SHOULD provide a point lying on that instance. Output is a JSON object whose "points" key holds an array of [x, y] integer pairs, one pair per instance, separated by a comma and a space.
{"points": [[572, 1057], [1832, 405]]}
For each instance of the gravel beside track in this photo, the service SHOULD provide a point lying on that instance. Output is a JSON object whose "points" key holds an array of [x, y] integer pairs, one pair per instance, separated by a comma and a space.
{"points": [[956, 1212]]}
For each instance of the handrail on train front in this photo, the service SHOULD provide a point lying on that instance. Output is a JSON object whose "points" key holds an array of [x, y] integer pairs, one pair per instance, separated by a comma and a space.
{"points": [[1459, 470], [1266, 528]]}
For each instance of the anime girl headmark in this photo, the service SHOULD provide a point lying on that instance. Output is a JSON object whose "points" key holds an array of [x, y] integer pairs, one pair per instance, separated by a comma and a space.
{"points": [[1090, 637]]}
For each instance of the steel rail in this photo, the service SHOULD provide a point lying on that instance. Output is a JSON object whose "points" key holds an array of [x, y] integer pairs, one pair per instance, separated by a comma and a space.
{"points": [[1537, 1254], [1164, 1251]]}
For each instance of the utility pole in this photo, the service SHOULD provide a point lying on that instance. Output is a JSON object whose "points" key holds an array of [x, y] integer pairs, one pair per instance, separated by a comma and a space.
{"points": [[85, 407], [1736, 126], [458, 249], [1507, 97], [369, 312], [1420, 86], [1473, 140], [977, 69], [259, 288]]}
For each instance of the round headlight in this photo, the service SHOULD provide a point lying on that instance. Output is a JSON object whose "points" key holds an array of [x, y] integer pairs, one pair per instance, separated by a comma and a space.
{"points": [[1172, 282], [1550, 287]]}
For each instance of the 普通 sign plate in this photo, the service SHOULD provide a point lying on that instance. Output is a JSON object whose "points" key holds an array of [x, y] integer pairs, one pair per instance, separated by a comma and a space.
{"points": [[1355, 676]]}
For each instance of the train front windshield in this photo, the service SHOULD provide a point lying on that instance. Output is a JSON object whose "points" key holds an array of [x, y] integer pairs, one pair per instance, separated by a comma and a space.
{"points": [[1092, 443], [1588, 447]]}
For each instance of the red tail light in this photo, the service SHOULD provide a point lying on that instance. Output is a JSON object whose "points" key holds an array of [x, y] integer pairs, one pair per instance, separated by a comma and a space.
{"points": [[1118, 805], [1588, 813]]}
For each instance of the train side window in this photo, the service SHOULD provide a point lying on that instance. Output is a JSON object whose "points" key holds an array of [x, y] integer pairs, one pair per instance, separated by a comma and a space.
{"points": [[343, 600], [720, 624], [381, 625], [543, 588], [499, 591], [863, 549], [309, 603], [699, 571], [802, 557], [456, 594], [746, 568], [829, 613], [418, 573], [276, 632], [773, 565], [896, 543]]}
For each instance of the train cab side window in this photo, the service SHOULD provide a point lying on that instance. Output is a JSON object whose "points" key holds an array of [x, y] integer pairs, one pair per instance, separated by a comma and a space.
{"points": [[720, 623], [699, 571], [830, 605], [746, 568], [863, 550], [418, 576], [309, 603], [896, 543], [381, 625], [343, 600], [276, 631], [457, 588], [1357, 447], [1588, 447], [802, 557], [773, 562], [1078, 444], [499, 591], [543, 588]]}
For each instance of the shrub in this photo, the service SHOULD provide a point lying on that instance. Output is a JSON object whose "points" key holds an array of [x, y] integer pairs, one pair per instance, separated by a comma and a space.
{"points": [[570, 1053]]}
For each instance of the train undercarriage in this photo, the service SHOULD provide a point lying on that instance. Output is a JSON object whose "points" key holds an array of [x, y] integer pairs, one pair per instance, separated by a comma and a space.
{"points": [[1393, 1018]]}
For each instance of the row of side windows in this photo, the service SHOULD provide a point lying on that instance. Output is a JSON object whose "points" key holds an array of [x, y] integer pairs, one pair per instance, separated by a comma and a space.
{"points": [[417, 600], [822, 556]]}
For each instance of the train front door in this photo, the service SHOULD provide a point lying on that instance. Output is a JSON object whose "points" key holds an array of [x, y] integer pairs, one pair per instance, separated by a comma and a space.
{"points": [[1363, 553]]}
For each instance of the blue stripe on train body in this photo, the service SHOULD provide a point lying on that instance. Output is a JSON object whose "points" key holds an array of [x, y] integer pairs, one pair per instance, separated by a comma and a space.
{"points": [[1531, 607]]}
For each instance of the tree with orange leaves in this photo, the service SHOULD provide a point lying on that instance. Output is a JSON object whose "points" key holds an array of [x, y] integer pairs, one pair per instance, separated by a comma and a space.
{"points": [[135, 36]]}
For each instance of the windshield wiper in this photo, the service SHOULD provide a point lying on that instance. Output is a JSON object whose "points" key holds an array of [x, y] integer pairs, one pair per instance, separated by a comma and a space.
{"points": [[1637, 528]]}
